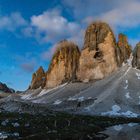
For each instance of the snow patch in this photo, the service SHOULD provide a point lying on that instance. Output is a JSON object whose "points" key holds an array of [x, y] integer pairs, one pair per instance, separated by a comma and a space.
{"points": [[26, 97], [138, 75], [129, 61], [3, 136], [127, 95], [44, 91], [72, 99], [123, 64], [118, 127], [116, 108], [80, 99], [126, 87], [57, 102], [126, 81], [127, 71], [115, 112], [129, 114], [132, 124], [16, 124]]}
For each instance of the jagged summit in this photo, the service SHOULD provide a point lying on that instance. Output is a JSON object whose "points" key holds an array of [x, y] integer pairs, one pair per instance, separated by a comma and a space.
{"points": [[66, 47], [64, 64], [136, 56], [101, 55], [123, 49], [5, 88], [98, 58], [38, 79], [95, 34]]}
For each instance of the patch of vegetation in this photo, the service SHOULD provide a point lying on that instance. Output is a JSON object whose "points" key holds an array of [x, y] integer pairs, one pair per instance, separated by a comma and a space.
{"points": [[56, 125]]}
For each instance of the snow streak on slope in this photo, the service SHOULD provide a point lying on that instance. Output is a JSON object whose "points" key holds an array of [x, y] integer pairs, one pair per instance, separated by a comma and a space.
{"points": [[115, 95]]}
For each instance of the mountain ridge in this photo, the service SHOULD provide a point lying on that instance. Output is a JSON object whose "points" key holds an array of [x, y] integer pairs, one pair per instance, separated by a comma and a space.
{"points": [[5, 88], [100, 56]]}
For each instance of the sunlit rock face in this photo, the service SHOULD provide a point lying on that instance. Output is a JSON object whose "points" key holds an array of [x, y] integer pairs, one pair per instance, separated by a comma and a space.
{"points": [[98, 57], [136, 56], [64, 64], [38, 79], [123, 49]]}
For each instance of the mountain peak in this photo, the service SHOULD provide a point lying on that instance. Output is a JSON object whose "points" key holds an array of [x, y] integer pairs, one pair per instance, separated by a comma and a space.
{"points": [[64, 64], [98, 58], [38, 79], [5, 88]]}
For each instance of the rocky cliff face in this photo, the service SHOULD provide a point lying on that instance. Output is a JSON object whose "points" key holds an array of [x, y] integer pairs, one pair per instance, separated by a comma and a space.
{"points": [[5, 88], [123, 49], [98, 57], [64, 64], [38, 79], [136, 56]]}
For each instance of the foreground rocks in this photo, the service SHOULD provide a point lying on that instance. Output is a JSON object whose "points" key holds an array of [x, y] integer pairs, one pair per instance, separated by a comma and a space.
{"points": [[63, 126], [64, 64], [98, 58]]}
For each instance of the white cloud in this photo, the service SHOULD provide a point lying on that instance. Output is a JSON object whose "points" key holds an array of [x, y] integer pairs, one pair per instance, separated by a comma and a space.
{"points": [[52, 27], [47, 55], [12, 21], [85, 8], [125, 16], [120, 14], [78, 38]]}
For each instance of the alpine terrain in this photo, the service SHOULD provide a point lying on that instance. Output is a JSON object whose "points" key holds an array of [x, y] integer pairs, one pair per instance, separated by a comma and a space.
{"points": [[100, 80]]}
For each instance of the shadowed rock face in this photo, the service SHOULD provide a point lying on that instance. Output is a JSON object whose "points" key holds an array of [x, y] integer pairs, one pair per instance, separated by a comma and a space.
{"points": [[38, 79], [136, 56], [98, 57], [64, 64], [4, 88], [123, 49]]}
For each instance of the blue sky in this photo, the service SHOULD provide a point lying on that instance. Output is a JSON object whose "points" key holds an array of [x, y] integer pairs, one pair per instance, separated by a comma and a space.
{"points": [[30, 30]]}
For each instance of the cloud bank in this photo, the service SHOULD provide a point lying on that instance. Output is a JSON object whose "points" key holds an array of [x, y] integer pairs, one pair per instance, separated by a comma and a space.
{"points": [[51, 26]]}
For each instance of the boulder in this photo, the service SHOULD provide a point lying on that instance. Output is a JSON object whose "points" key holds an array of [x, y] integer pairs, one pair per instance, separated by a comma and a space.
{"points": [[98, 56], [64, 64], [136, 57], [38, 79]]}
